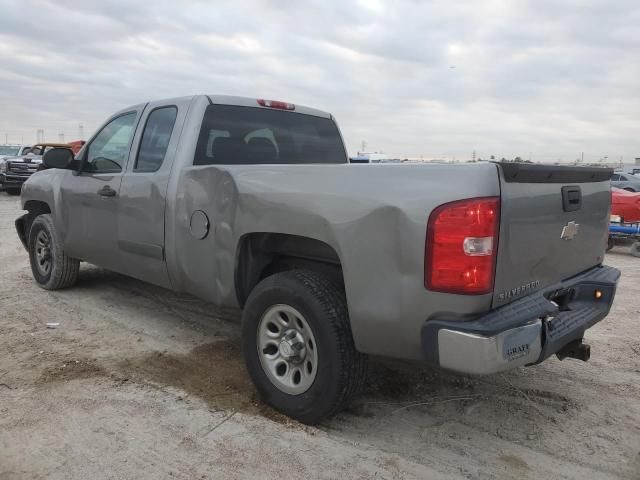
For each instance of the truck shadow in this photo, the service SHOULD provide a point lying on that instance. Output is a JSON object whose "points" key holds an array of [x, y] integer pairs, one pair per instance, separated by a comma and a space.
{"points": [[395, 391]]}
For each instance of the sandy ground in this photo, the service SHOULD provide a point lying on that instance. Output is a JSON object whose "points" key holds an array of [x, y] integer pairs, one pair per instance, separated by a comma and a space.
{"points": [[139, 382]]}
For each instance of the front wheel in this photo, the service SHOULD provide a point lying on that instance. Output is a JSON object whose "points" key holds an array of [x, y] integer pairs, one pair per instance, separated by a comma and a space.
{"points": [[51, 268], [298, 346]]}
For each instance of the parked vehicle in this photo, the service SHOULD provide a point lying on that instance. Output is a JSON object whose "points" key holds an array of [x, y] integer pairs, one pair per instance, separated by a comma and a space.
{"points": [[7, 152], [625, 204], [15, 170], [252, 203], [10, 150], [625, 181], [624, 233], [625, 220]]}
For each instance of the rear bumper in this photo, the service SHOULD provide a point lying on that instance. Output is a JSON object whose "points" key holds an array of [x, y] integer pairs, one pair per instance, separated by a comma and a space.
{"points": [[524, 332]]}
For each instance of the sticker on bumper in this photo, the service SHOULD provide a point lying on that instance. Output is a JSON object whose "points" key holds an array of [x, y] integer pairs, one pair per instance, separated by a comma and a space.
{"points": [[519, 343]]}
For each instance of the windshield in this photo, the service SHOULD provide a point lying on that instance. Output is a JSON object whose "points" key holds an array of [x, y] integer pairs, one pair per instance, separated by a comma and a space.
{"points": [[244, 135], [9, 150]]}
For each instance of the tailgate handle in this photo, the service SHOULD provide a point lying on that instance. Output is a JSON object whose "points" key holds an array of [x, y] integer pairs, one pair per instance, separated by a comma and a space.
{"points": [[571, 198]]}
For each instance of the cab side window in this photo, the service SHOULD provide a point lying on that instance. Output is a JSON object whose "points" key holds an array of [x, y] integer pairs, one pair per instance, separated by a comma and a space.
{"points": [[108, 151], [155, 139]]}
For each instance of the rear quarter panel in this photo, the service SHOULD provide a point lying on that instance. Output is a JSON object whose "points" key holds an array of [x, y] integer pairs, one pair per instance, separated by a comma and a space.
{"points": [[373, 216]]}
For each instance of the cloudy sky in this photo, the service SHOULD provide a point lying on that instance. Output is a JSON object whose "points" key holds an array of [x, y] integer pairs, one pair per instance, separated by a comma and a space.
{"points": [[546, 79]]}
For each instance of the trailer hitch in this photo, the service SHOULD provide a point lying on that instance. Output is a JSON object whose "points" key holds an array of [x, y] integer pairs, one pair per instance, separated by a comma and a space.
{"points": [[575, 349]]}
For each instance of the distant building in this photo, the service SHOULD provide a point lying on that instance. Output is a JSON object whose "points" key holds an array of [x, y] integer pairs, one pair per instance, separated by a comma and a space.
{"points": [[365, 157]]}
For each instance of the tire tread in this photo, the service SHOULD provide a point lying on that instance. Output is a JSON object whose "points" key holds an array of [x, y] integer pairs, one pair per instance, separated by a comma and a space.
{"points": [[330, 297], [354, 365], [64, 271]]}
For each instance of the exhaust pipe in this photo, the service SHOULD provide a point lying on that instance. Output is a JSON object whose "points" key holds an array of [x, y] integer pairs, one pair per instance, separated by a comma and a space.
{"points": [[575, 349]]}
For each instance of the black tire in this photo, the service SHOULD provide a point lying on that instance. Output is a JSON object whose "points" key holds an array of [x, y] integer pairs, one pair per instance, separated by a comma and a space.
{"points": [[635, 249], [341, 370], [610, 244], [62, 271], [13, 191]]}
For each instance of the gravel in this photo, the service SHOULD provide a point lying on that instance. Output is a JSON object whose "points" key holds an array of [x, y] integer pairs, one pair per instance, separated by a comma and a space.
{"points": [[139, 382]]}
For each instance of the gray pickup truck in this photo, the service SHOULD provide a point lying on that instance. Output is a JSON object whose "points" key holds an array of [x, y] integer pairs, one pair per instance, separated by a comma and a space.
{"points": [[252, 203]]}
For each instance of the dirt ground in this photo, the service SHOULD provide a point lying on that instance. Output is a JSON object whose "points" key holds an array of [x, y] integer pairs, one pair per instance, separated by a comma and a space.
{"points": [[139, 382]]}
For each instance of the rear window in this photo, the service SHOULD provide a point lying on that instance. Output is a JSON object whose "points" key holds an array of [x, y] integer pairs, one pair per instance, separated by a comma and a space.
{"points": [[233, 135]]}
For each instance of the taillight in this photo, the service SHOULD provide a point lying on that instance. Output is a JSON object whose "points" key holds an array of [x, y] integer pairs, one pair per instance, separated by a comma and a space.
{"points": [[276, 104], [462, 241]]}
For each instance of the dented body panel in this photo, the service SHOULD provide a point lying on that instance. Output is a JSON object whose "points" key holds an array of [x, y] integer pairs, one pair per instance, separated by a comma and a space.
{"points": [[374, 218]]}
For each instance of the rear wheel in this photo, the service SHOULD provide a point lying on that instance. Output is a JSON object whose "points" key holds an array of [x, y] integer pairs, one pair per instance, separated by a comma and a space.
{"points": [[13, 191], [635, 249], [298, 346], [51, 268]]}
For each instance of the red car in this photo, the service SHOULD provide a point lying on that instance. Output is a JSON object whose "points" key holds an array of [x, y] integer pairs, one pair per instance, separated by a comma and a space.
{"points": [[626, 204]]}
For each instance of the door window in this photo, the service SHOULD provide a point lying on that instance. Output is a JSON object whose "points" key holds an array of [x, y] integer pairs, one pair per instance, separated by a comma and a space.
{"points": [[108, 151], [155, 139]]}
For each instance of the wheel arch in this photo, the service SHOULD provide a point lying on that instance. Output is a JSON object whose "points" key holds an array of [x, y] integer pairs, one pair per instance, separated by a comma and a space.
{"points": [[34, 209], [260, 254]]}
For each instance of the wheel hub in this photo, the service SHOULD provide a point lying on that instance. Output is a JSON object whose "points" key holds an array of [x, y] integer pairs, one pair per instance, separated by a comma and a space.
{"points": [[292, 347], [287, 349], [43, 252]]}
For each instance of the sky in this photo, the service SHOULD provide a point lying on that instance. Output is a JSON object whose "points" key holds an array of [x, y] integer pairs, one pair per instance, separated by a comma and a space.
{"points": [[542, 79]]}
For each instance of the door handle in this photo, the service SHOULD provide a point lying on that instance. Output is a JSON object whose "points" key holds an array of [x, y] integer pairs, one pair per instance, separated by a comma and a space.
{"points": [[107, 191], [571, 198]]}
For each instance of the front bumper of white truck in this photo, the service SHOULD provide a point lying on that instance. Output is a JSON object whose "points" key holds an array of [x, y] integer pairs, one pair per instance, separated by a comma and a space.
{"points": [[525, 331]]}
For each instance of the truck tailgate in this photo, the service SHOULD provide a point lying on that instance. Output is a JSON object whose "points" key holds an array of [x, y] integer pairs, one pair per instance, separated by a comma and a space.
{"points": [[553, 225]]}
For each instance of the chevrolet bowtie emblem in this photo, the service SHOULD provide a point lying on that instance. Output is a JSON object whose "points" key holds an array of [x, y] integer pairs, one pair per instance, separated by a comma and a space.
{"points": [[569, 231]]}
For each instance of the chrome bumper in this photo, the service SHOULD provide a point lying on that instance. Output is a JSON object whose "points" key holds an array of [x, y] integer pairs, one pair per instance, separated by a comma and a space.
{"points": [[480, 355], [523, 332]]}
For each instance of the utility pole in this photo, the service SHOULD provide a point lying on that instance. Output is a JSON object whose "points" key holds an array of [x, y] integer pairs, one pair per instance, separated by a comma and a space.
{"points": [[80, 132], [473, 156], [61, 137], [6, 138], [40, 135], [364, 146]]}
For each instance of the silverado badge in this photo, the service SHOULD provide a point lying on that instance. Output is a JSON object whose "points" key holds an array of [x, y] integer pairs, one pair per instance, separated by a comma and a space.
{"points": [[569, 231]]}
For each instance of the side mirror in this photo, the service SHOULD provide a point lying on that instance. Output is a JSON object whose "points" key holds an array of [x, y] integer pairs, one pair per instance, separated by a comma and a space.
{"points": [[58, 158]]}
